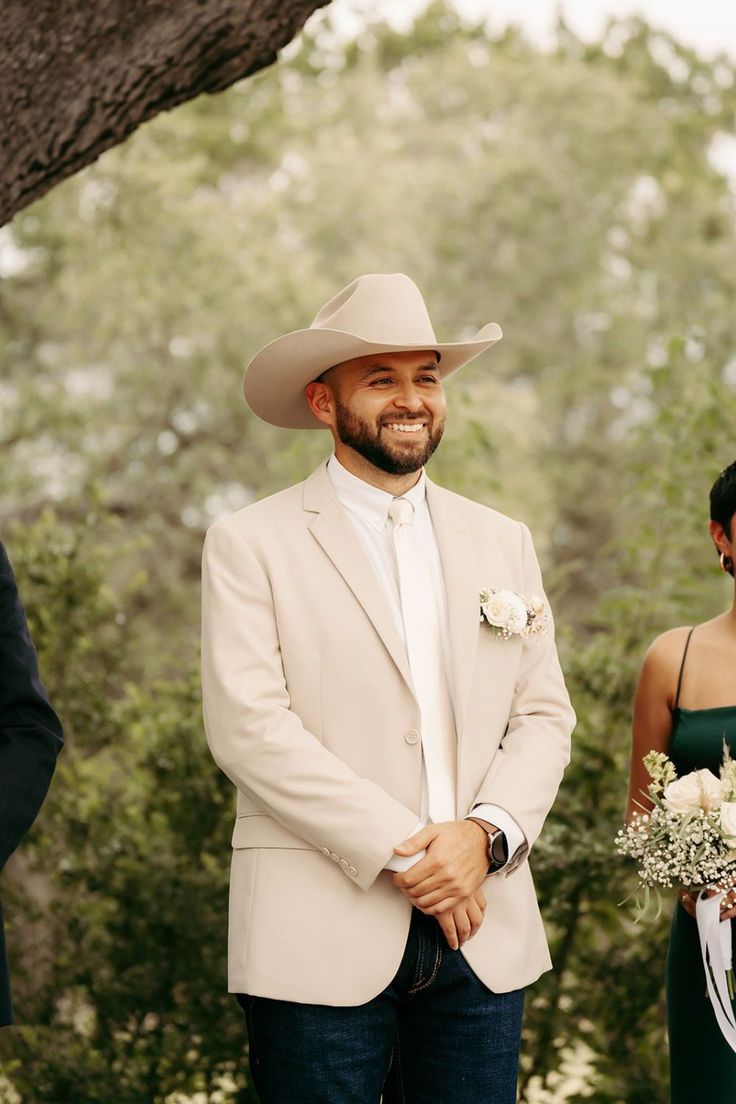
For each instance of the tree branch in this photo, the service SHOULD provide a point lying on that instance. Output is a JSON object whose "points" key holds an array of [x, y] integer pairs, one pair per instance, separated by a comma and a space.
{"points": [[78, 78]]}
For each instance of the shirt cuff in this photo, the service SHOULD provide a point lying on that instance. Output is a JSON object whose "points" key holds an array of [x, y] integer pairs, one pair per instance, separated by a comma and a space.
{"points": [[515, 838], [400, 863]]}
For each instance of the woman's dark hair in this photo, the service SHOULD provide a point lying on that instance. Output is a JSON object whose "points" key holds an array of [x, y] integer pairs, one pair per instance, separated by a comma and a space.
{"points": [[723, 503], [723, 498]]}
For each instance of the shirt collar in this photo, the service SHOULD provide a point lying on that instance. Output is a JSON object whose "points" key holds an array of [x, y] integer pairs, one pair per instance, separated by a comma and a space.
{"points": [[369, 502]]}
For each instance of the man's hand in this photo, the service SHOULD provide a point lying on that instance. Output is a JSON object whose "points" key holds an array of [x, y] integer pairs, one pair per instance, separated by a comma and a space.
{"points": [[453, 869], [462, 922]]}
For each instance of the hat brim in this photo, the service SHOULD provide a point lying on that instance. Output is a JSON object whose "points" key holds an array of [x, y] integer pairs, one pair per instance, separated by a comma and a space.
{"points": [[274, 381]]}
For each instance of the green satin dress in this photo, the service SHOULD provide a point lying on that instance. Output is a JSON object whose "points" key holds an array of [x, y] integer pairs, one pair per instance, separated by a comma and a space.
{"points": [[702, 1064]]}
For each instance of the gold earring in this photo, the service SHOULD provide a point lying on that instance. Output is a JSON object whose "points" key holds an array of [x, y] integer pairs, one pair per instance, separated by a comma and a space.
{"points": [[726, 563]]}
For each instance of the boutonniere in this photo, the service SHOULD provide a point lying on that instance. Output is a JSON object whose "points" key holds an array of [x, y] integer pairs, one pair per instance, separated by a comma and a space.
{"points": [[510, 614]]}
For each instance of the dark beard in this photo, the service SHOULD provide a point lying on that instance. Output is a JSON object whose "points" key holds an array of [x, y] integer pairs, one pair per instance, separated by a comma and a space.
{"points": [[360, 436]]}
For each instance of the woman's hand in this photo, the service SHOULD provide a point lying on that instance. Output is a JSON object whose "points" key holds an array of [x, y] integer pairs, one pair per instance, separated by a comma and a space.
{"points": [[728, 904]]}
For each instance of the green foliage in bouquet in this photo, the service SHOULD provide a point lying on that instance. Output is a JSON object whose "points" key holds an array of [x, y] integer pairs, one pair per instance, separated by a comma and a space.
{"points": [[661, 771]]}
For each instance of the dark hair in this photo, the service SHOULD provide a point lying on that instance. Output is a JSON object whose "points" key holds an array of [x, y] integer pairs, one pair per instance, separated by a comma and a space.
{"points": [[723, 505], [723, 498], [323, 376]]}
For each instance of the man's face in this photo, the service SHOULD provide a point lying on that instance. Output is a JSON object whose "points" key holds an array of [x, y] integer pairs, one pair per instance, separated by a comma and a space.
{"points": [[389, 408]]}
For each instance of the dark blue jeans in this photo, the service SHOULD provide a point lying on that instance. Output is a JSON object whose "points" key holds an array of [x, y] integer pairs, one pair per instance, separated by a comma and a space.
{"points": [[435, 1035]]}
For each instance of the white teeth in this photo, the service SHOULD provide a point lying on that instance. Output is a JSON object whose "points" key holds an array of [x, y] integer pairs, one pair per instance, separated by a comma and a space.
{"points": [[414, 428]]}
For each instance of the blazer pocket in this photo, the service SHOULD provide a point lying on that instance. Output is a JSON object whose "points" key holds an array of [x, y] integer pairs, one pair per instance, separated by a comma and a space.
{"points": [[261, 830]]}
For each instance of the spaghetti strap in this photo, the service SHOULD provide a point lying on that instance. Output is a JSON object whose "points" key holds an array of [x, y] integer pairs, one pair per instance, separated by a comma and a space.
{"points": [[682, 668]]}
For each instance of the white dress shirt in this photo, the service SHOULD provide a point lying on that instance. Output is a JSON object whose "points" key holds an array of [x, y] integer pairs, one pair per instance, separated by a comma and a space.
{"points": [[367, 507]]}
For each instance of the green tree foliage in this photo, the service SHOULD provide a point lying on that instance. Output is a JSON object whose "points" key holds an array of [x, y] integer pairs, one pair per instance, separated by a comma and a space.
{"points": [[571, 196]]}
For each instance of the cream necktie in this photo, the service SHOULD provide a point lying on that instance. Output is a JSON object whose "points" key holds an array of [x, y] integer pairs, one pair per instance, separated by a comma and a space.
{"points": [[424, 649]]}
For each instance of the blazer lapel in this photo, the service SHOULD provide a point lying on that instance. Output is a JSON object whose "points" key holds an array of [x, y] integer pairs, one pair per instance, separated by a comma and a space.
{"points": [[463, 611], [332, 529]]}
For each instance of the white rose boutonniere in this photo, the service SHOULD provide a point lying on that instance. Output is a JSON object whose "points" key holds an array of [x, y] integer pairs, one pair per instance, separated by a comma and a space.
{"points": [[510, 614]]}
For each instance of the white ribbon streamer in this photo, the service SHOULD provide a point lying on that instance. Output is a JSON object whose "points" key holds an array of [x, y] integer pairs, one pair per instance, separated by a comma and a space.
{"points": [[715, 946]]}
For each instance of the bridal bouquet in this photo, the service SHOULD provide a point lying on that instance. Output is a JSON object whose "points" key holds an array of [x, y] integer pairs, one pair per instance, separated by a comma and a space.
{"points": [[689, 837]]}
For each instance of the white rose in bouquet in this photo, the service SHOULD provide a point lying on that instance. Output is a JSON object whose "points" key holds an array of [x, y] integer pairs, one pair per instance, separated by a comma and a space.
{"points": [[728, 822], [697, 792]]}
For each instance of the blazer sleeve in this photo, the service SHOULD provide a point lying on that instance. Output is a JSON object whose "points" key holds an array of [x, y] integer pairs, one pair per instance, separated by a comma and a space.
{"points": [[259, 741], [527, 769], [30, 731]]}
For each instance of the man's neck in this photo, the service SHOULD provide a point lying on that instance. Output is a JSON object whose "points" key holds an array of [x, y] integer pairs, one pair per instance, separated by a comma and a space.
{"points": [[358, 466]]}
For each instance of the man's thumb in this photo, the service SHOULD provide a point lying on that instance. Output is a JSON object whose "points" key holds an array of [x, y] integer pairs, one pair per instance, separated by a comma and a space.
{"points": [[416, 843]]}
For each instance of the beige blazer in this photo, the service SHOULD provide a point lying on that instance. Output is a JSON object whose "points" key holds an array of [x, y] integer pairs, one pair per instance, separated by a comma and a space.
{"points": [[309, 710]]}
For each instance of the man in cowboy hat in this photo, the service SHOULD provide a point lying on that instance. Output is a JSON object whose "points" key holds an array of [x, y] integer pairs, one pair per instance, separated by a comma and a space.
{"points": [[395, 752]]}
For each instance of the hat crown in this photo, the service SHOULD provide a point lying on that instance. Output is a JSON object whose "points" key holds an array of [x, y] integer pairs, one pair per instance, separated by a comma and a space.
{"points": [[384, 308]]}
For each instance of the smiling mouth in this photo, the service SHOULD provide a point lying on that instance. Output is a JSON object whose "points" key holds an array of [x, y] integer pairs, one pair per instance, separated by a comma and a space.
{"points": [[408, 428]]}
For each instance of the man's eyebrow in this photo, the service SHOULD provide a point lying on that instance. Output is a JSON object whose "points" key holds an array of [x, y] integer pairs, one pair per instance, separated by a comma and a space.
{"points": [[433, 366]]}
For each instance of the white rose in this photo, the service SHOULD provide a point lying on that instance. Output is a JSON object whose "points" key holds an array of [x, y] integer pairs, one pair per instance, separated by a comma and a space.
{"points": [[497, 609], [517, 615], [728, 822], [699, 791]]}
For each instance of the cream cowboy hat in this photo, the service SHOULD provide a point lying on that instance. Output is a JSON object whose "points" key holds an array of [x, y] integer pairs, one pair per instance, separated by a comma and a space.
{"points": [[377, 313]]}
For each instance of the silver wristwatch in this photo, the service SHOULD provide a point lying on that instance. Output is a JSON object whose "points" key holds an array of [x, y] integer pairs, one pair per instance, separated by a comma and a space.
{"points": [[498, 850]]}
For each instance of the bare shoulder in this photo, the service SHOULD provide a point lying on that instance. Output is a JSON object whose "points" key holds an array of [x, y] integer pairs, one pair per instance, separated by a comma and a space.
{"points": [[668, 646], [661, 665]]}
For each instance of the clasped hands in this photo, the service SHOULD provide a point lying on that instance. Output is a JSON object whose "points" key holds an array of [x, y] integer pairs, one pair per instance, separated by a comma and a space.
{"points": [[446, 882]]}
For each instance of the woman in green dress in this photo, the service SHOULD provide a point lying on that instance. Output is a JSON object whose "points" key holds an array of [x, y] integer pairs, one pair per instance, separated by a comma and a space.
{"points": [[685, 705]]}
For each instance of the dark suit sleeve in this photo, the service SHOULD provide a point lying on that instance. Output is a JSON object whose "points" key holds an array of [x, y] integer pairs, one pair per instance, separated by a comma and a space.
{"points": [[30, 731]]}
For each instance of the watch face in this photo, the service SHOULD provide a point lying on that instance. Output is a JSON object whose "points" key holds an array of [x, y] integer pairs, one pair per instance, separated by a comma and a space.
{"points": [[498, 848]]}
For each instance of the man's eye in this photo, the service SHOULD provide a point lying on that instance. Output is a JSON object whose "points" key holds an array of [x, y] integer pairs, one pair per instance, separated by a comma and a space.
{"points": [[386, 379], [429, 379]]}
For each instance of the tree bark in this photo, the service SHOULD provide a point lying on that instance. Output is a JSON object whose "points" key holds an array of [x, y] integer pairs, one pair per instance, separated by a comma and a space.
{"points": [[78, 77]]}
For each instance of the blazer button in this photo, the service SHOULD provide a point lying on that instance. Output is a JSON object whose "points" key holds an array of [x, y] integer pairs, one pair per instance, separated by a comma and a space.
{"points": [[352, 872], [325, 850], [344, 863], [334, 857], [411, 736]]}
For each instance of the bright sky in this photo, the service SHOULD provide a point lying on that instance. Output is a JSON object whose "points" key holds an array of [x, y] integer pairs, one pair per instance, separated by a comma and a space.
{"points": [[707, 25]]}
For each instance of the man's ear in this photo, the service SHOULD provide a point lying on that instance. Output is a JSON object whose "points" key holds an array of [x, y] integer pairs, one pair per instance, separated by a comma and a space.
{"points": [[321, 402]]}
